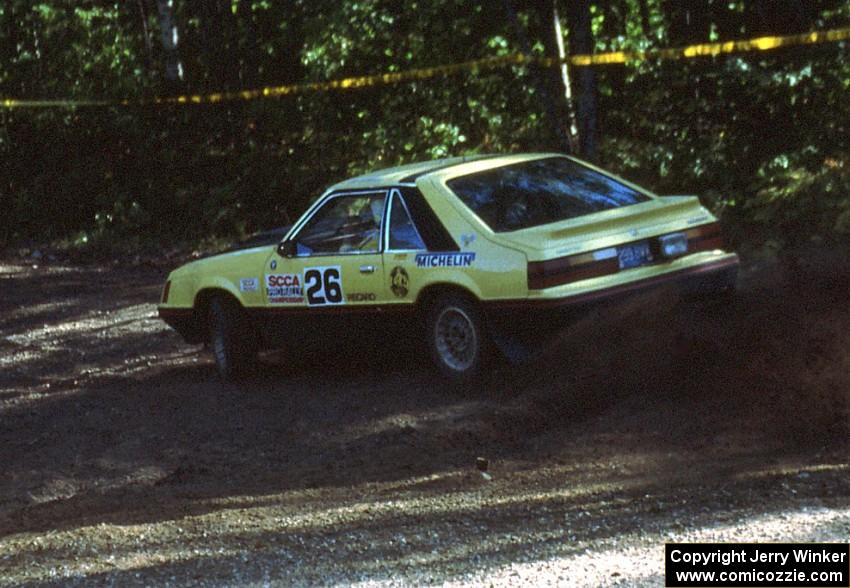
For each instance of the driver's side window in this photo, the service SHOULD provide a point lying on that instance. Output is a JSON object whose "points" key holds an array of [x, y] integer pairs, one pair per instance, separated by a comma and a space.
{"points": [[349, 223]]}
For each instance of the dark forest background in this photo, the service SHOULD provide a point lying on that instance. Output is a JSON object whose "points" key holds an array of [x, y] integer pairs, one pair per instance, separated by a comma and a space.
{"points": [[762, 137]]}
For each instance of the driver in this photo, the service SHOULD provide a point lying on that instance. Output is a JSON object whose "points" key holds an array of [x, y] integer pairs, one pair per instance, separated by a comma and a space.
{"points": [[365, 222]]}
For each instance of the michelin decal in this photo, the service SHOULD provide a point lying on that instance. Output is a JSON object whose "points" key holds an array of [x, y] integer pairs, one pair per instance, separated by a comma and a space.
{"points": [[427, 260]]}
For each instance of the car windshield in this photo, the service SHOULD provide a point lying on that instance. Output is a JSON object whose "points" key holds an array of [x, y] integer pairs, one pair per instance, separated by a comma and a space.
{"points": [[538, 192]]}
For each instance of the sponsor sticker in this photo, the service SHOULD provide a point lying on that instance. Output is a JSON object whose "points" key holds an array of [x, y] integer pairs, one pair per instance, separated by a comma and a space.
{"points": [[284, 288], [249, 284], [463, 259], [361, 297], [399, 281], [324, 285]]}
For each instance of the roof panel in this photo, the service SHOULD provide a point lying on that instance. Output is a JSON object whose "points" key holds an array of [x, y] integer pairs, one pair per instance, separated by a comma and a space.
{"points": [[405, 173]]}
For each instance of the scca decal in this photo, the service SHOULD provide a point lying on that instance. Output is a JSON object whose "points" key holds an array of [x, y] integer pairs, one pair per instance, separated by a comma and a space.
{"points": [[445, 259], [283, 280], [284, 288]]}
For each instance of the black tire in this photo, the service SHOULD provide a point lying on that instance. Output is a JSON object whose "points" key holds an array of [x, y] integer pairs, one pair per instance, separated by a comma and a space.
{"points": [[456, 337], [231, 340]]}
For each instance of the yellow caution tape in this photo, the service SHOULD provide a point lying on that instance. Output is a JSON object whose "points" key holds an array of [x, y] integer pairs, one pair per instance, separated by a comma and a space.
{"points": [[711, 49], [487, 63], [14, 103]]}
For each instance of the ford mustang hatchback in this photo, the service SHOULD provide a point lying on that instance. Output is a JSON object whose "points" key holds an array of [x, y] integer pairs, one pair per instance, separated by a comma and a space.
{"points": [[476, 250]]}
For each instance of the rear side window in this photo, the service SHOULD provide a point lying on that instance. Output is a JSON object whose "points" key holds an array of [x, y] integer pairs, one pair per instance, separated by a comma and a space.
{"points": [[403, 233], [533, 193], [432, 231]]}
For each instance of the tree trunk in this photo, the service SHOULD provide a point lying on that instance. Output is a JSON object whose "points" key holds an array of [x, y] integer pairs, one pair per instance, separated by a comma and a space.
{"points": [[581, 43], [551, 76], [542, 79], [572, 131], [170, 38], [9, 56], [645, 23], [218, 35], [143, 15]]}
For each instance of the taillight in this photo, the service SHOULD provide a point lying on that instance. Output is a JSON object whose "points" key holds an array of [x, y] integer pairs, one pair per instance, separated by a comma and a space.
{"points": [[165, 291], [705, 238], [603, 262], [564, 270]]}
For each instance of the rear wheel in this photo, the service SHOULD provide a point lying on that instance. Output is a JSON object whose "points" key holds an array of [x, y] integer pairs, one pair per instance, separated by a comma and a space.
{"points": [[456, 337], [233, 346]]}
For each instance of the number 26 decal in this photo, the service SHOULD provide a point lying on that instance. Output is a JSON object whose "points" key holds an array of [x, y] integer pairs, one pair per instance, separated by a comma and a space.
{"points": [[323, 285]]}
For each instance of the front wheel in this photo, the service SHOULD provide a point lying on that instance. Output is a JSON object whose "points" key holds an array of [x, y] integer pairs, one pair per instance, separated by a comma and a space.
{"points": [[232, 345], [456, 337]]}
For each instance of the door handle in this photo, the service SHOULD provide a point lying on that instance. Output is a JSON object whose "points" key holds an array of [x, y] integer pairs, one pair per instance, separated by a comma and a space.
{"points": [[367, 269]]}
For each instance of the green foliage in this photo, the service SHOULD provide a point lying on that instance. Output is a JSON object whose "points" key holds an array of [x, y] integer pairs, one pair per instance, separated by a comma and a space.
{"points": [[758, 135], [803, 199]]}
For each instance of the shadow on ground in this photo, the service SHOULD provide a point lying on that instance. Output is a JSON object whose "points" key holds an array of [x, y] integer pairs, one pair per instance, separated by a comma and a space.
{"points": [[633, 417]]}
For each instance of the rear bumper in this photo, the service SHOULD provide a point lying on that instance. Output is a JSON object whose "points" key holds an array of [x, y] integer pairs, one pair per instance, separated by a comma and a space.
{"points": [[700, 281]]}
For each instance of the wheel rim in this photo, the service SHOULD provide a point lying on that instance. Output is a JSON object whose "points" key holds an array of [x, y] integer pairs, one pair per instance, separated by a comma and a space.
{"points": [[456, 339]]}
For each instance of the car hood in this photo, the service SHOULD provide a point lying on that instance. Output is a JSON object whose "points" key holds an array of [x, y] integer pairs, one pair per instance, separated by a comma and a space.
{"points": [[241, 258]]}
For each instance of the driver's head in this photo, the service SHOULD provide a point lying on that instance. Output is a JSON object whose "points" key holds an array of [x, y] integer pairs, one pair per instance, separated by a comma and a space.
{"points": [[377, 206]]}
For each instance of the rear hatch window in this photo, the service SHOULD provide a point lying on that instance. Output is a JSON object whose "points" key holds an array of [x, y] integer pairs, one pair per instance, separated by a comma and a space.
{"points": [[539, 192]]}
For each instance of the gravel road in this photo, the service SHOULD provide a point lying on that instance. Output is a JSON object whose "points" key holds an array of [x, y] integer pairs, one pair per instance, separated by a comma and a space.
{"points": [[124, 461]]}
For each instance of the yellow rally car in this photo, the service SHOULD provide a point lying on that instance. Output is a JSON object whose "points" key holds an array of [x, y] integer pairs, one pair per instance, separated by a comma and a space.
{"points": [[477, 249]]}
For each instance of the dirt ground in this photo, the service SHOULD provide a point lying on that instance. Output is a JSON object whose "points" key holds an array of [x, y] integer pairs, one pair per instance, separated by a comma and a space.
{"points": [[124, 461]]}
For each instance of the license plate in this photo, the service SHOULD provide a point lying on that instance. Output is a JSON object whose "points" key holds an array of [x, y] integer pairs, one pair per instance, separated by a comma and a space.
{"points": [[634, 255]]}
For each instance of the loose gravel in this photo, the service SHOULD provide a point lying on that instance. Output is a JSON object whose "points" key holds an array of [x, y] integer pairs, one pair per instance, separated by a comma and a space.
{"points": [[126, 463]]}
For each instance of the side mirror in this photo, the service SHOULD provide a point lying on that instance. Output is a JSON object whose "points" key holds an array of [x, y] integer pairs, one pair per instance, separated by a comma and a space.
{"points": [[286, 249]]}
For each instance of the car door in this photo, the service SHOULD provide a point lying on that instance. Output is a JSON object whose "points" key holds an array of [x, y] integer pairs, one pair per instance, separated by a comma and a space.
{"points": [[332, 266]]}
